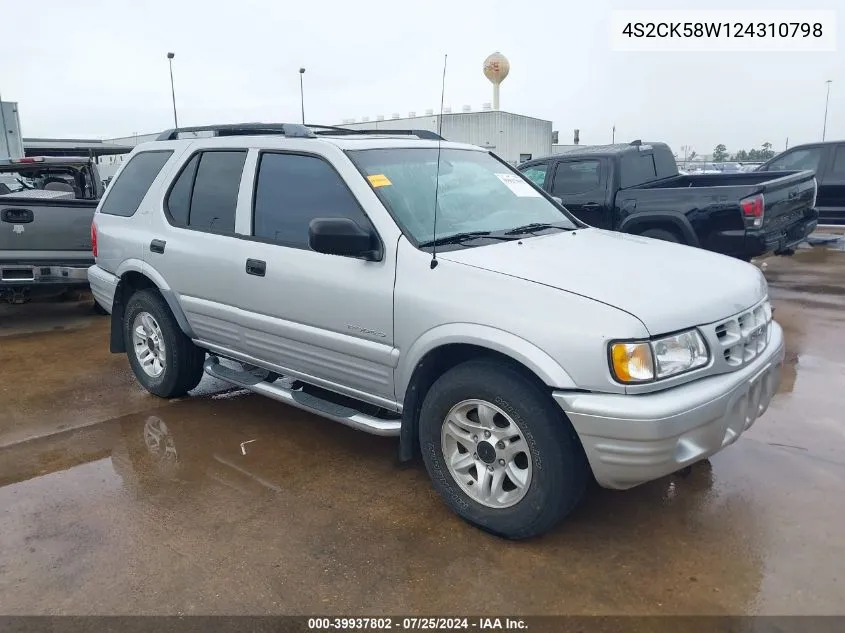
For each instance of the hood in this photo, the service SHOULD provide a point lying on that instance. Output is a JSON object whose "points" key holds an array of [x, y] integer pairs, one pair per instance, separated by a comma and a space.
{"points": [[667, 286]]}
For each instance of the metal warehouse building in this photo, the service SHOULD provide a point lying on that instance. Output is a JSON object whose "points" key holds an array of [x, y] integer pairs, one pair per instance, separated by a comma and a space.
{"points": [[513, 137]]}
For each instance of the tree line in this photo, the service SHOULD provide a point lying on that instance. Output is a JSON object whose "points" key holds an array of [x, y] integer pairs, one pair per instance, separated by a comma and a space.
{"points": [[721, 154]]}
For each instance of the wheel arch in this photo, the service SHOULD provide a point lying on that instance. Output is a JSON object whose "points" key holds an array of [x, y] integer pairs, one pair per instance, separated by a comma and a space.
{"points": [[443, 348], [135, 275], [675, 222]]}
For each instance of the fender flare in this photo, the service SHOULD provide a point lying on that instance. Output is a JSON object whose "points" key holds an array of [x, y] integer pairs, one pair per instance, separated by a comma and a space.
{"points": [[548, 370], [676, 219], [520, 350], [117, 344]]}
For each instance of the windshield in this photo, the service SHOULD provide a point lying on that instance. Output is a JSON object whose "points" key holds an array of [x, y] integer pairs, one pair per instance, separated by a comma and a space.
{"points": [[477, 194]]}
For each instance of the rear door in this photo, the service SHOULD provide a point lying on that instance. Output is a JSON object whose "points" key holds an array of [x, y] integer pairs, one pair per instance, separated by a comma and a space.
{"points": [[831, 197], [194, 247], [582, 186]]}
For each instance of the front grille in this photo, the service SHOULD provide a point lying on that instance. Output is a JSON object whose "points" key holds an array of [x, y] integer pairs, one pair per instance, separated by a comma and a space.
{"points": [[744, 337]]}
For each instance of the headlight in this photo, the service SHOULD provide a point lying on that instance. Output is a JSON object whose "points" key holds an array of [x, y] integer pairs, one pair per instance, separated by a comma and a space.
{"points": [[634, 362]]}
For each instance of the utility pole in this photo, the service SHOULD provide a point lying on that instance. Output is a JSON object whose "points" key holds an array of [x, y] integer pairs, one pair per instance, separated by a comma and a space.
{"points": [[302, 94], [826, 100]]}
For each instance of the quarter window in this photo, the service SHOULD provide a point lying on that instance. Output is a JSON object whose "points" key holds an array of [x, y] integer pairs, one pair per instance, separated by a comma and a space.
{"points": [[134, 181]]}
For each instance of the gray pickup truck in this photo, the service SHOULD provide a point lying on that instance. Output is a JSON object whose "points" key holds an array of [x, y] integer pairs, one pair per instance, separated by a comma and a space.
{"points": [[46, 208], [529, 354]]}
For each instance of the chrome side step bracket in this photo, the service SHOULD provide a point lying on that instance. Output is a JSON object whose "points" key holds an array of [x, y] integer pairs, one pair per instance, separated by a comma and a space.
{"points": [[283, 391]]}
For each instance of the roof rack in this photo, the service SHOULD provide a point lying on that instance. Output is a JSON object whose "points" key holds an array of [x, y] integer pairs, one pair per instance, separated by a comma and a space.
{"points": [[290, 130]]}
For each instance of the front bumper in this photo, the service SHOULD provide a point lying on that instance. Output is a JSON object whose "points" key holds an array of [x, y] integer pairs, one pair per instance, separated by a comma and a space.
{"points": [[632, 439]]}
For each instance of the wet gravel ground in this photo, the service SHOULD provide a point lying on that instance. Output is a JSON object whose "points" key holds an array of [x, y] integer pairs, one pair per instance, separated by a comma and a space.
{"points": [[113, 501]]}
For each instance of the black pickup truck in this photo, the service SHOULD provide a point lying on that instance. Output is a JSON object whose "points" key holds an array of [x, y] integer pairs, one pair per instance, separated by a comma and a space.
{"points": [[636, 188], [827, 160]]}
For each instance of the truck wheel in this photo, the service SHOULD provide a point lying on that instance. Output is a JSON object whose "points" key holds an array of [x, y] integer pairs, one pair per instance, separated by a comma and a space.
{"points": [[499, 451], [164, 360], [662, 234]]}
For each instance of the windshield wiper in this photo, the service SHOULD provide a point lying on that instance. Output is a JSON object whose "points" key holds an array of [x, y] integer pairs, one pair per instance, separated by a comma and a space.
{"points": [[460, 238], [534, 226]]}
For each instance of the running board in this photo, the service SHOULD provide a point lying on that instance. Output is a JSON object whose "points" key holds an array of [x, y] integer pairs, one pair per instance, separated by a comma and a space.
{"points": [[302, 400]]}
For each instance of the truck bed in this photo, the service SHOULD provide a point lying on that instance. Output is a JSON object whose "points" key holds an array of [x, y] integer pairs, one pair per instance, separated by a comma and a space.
{"points": [[742, 179]]}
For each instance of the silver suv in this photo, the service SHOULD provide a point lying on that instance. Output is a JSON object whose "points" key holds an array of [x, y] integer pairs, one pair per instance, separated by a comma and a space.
{"points": [[408, 286]]}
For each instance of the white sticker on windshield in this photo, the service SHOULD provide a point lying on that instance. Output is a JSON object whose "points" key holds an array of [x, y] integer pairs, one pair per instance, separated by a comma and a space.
{"points": [[518, 186]]}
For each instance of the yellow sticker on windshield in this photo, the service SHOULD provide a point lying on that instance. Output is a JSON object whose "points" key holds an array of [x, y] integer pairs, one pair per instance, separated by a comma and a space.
{"points": [[379, 180]]}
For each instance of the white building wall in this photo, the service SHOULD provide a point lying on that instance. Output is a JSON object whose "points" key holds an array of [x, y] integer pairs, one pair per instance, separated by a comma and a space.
{"points": [[513, 137]]}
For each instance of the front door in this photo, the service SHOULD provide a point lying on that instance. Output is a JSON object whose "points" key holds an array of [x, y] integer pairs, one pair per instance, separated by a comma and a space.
{"points": [[319, 316]]}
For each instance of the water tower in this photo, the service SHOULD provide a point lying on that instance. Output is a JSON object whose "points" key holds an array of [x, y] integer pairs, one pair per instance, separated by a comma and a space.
{"points": [[496, 68]]}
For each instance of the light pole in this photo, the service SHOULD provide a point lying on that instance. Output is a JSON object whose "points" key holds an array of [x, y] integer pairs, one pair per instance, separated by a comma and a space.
{"points": [[302, 94], [826, 100], [170, 57]]}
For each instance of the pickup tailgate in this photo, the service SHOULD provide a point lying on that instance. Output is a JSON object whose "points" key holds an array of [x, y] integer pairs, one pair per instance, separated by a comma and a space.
{"points": [[786, 199], [39, 229]]}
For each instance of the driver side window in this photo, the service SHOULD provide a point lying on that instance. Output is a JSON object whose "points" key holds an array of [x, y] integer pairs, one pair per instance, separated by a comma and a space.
{"points": [[797, 159]]}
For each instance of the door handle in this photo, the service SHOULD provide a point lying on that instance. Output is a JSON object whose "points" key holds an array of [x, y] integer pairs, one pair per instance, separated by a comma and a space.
{"points": [[157, 246], [17, 216], [591, 206], [256, 267]]}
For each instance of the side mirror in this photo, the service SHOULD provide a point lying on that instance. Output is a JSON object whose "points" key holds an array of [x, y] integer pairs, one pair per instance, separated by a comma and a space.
{"points": [[342, 236], [558, 200]]}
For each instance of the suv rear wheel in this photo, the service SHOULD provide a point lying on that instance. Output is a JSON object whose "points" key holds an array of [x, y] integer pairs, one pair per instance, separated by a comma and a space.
{"points": [[164, 360], [499, 452]]}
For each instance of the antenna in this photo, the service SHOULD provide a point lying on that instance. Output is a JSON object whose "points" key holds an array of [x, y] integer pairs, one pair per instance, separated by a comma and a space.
{"points": [[437, 173]]}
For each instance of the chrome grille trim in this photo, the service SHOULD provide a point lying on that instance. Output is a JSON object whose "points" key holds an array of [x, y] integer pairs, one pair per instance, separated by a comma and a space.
{"points": [[737, 341]]}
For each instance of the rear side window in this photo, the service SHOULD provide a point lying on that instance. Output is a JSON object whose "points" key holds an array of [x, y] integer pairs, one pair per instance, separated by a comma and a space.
{"points": [[134, 181], [205, 195], [576, 177], [637, 168], [839, 161], [179, 200], [294, 189]]}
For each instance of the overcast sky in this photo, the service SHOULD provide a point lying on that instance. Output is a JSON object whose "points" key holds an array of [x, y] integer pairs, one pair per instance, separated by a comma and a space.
{"points": [[97, 68]]}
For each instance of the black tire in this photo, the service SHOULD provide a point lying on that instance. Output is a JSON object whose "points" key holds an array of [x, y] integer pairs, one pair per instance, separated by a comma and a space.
{"points": [[560, 469], [183, 360], [662, 234]]}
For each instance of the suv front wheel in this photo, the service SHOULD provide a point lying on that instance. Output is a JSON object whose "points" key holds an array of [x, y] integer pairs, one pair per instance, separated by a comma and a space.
{"points": [[499, 451], [164, 360]]}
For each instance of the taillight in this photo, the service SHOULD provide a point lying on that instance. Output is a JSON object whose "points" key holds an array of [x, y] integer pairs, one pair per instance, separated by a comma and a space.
{"points": [[94, 238], [753, 208]]}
